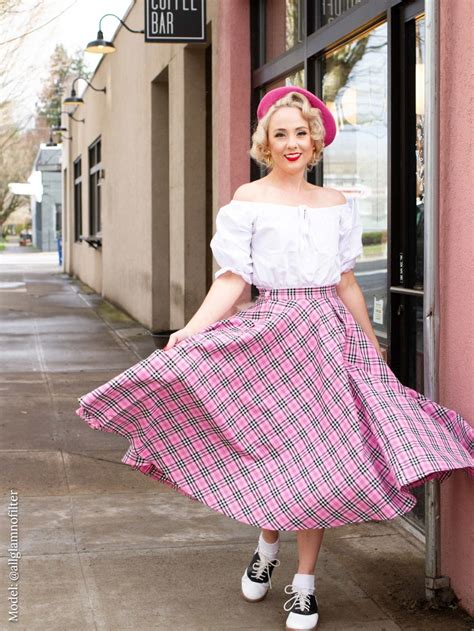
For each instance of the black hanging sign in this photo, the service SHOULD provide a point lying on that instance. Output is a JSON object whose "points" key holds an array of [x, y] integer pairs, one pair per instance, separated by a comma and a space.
{"points": [[175, 20]]}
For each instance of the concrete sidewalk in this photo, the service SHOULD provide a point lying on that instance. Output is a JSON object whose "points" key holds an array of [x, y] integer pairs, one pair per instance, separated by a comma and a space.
{"points": [[103, 546]]}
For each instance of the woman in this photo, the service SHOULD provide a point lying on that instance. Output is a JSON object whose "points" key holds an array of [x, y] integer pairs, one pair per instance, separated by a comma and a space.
{"points": [[284, 415]]}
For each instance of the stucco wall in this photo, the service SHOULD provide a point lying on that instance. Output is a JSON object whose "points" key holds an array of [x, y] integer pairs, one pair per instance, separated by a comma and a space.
{"points": [[123, 269], [456, 374]]}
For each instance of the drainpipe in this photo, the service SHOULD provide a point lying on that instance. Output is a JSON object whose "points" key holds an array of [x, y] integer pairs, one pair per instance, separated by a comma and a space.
{"points": [[434, 582]]}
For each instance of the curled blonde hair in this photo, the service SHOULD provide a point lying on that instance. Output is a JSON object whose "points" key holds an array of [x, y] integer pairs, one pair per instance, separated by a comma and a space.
{"points": [[260, 150]]}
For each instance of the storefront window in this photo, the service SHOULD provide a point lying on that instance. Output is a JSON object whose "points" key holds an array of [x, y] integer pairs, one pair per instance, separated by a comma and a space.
{"points": [[355, 89], [284, 26], [332, 9]]}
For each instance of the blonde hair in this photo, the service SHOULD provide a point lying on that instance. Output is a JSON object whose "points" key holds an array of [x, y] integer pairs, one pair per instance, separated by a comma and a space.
{"points": [[260, 150]]}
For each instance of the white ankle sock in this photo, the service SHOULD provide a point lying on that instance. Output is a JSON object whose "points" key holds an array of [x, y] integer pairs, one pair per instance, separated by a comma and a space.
{"points": [[304, 581], [270, 550]]}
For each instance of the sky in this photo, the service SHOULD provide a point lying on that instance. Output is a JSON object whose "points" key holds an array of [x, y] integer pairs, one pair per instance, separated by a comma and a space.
{"points": [[72, 23]]}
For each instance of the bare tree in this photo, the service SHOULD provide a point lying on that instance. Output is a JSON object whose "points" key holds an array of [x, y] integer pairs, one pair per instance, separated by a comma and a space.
{"points": [[340, 65], [16, 162], [18, 18], [7, 7]]}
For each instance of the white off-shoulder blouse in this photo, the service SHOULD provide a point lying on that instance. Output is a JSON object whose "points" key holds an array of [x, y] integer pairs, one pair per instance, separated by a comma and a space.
{"points": [[277, 246]]}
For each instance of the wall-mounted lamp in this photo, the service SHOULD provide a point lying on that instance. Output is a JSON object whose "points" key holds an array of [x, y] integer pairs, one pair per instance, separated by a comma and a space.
{"points": [[78, 120], [102, 46], [59, 130], [77, 100], [60, 127], [51, 142]]}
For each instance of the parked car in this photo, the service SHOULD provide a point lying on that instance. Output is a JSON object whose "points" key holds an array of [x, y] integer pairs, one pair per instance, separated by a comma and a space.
{"points": [[26, 237]]}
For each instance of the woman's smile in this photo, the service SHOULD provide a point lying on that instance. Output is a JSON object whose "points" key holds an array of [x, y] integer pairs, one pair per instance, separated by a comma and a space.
{"points": [[292, 157]]}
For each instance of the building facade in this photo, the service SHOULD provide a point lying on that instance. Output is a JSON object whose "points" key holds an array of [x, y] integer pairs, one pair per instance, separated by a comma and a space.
{"points": [[46, 210], [168, 142]]}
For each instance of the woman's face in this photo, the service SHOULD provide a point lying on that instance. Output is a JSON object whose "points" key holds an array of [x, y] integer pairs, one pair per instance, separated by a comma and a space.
{"points": [[289, 140]]}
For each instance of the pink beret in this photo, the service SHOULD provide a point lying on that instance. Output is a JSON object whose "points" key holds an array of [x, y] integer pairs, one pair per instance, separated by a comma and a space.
{"points": [[328, 119]]}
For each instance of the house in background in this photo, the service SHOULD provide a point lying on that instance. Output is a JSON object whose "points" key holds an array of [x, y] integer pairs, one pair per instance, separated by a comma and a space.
{"points": [[44, 190], [46, 204]]}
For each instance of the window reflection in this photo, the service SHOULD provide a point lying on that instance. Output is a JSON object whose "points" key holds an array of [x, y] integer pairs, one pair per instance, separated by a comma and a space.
{"points": [[355, 89], [332, 9], [419, 147], [284, 26], [296, 78]]}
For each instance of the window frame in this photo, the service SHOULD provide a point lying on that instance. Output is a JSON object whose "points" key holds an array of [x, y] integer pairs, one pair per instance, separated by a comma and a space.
{"points": [[94, 153], [77, 198]]}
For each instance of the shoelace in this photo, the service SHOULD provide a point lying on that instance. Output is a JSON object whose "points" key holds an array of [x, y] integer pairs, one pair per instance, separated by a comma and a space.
{"points": [[300, 596], [263, 564]]}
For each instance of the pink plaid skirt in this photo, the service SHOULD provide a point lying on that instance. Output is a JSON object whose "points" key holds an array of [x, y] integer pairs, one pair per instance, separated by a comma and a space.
{"points": [[282, 416]]}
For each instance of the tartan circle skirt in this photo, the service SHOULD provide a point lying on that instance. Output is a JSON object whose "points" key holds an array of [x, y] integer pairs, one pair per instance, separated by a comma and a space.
{"points": [[282, 416]]}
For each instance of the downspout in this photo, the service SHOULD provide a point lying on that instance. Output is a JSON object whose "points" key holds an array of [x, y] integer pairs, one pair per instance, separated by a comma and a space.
{"points": [[434, 582]]}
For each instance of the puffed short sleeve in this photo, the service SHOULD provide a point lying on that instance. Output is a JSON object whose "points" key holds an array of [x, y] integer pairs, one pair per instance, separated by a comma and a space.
{"points": [[231, 243], [350, 235]]}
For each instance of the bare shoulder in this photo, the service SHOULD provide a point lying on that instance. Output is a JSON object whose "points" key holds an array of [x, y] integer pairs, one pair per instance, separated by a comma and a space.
{"points": [[329, 196], [248, 192], [336, 196]]}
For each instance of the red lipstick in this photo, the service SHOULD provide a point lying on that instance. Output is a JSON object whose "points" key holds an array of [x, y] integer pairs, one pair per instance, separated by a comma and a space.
{"points": [[292, 157]]}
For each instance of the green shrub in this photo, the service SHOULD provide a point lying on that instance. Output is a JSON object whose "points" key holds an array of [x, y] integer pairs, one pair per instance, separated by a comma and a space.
{"points": [[373, 238]]}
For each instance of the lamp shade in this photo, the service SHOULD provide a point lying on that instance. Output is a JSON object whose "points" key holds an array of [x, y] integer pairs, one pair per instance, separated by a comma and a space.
{"points": [[100, 45], [73, 100]]}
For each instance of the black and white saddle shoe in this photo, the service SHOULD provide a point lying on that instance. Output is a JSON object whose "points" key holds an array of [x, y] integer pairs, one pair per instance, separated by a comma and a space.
{"points": [[303, 608], [256, 580]]}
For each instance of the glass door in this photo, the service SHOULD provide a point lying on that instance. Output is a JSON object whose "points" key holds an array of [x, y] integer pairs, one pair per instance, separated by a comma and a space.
{"points": [[406, 290]]}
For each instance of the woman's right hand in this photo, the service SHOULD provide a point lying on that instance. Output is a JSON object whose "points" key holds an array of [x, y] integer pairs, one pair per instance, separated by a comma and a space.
{"points": [[176, 337]]}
